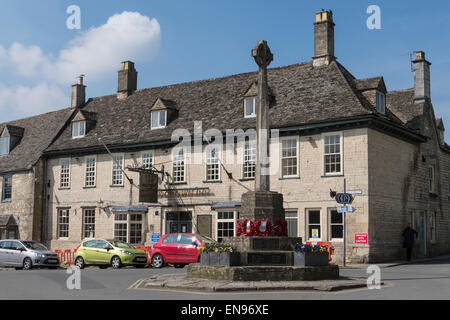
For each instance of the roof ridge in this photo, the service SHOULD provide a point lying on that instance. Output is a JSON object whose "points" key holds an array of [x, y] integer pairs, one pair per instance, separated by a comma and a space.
{"points": [[352, 89], [401, 90]]}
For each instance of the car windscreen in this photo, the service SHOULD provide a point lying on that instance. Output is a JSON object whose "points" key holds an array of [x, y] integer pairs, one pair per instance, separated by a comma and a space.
{"points": [[121, 244], [34, 245]]}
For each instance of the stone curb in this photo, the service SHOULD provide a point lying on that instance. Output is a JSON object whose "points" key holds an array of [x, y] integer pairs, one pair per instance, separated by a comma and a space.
{"points": [[181, 282], [394, 263]]}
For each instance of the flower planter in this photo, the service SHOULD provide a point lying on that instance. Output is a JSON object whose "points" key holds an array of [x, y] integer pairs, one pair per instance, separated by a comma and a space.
{"points": [[225, 259], [310, 259]]}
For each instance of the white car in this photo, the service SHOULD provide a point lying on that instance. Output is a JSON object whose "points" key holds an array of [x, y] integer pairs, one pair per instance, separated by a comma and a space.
{"points": [[24, 254]]}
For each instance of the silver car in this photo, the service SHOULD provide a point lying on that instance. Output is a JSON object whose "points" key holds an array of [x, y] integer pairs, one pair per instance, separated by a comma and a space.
{"points": [[24, 254]]}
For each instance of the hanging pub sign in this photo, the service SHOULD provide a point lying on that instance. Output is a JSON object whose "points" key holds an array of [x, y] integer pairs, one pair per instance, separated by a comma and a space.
{"points": [[148, 187]]}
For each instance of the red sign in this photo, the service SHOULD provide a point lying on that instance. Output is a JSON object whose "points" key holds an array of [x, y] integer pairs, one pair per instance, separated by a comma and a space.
{"points": [[360, 238]]}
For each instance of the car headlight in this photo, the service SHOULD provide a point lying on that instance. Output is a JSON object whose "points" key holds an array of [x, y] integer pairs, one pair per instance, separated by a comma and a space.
{"points": [[40, 255], [126, 252]]}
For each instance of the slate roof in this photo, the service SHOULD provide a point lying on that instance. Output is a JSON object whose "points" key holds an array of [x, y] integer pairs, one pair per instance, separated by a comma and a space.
{"points": [[304, 94], [38, 133], [7, 220], [401, 102]]}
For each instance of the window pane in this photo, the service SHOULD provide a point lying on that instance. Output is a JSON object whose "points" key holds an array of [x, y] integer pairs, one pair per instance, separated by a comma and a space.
{"points": [[90, 172], [117, 174], [162, 118], [314, 217], [336, 217], [337, 231], [4, 146], [155, 119], [65, 174]]}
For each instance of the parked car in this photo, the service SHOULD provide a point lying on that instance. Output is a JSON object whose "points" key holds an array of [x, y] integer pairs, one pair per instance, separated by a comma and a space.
{"points": [[25, 254], [178, 249], [109, 252]]}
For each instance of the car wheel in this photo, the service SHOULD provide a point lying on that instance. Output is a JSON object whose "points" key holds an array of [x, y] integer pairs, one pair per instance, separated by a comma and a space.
{"points": [[115, 262], [27, 264], [79, 262], [157, 261], [179, 266]]}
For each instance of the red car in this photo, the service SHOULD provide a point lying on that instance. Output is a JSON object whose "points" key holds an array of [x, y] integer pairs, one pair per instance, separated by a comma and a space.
{"points": [[178, 249]]}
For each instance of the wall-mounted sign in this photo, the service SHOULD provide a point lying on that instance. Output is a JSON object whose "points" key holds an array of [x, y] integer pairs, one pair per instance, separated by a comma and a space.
{"points": [[155, 237], [187, 192], [315, 233], [361, 238], [148, 187]]}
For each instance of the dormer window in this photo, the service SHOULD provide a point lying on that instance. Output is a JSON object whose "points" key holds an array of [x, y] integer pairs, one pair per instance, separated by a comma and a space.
{"points": [[78, 129], [381, 102], [4, 146], [250, 105], [159, 119]]}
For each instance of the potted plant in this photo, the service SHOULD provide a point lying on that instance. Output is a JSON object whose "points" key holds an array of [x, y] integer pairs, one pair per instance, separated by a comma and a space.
{"points": [[219, 254], [310, 255]]}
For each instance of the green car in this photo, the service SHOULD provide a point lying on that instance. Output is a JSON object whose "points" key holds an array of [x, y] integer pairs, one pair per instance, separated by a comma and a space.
{"points": [[109, 252]]}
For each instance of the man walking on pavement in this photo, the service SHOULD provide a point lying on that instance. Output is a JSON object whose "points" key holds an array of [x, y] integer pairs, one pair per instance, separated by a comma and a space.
{"points": [[408, 240]]}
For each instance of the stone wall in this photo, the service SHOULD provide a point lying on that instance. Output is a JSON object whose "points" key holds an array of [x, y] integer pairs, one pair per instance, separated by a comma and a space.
{"points": [[22, 202], [310, 190]]}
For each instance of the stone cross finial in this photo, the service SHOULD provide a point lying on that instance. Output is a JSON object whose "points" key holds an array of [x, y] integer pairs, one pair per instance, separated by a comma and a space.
{"points": [[262, 55]]}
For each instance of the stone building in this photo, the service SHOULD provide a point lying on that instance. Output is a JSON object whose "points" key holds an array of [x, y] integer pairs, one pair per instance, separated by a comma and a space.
{"points": [[22, 174], [387, 145]]}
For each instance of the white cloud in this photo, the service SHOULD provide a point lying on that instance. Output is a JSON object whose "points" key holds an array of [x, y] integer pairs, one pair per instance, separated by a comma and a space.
{"points": [[27, 101], [97, 53]]}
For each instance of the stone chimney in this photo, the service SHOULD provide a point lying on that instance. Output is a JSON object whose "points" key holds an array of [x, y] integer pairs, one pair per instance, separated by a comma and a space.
{"points": [[127, 80], [323, 38], [422, 87], [78, 93]]}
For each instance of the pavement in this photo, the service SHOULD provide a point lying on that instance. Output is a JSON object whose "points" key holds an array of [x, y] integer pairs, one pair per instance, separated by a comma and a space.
{"points": [[394, 263]]}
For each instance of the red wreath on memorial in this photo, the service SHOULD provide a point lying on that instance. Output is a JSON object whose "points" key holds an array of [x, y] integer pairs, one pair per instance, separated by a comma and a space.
{"points": [[281, 228], [258, 232], [244, 227], [238, 228]]}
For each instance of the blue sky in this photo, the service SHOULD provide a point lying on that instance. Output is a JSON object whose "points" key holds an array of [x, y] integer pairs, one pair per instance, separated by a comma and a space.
{"points": [[192, 40]]}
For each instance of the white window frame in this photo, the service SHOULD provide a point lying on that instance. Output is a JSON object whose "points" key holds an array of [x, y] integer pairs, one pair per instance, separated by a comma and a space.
{"points": [[307, 225], [59, 223], [212, 164], [148, 159], [330, 224], [233, 220], [78, 133], [86, 172], [64, 174], [297, 146], [247, 159], [380, 102], [176, 166], [291, 218], [114, 169], [341, 153], [158, 113], [90, 223], [128, 222], [7, 142], [255, 107]]}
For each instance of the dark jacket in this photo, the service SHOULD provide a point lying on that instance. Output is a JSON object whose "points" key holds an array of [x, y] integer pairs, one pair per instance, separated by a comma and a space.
{"points": [[409, 234]]}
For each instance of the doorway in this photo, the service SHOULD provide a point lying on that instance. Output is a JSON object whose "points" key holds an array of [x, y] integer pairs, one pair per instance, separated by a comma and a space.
{"points": [[179, 222]]}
